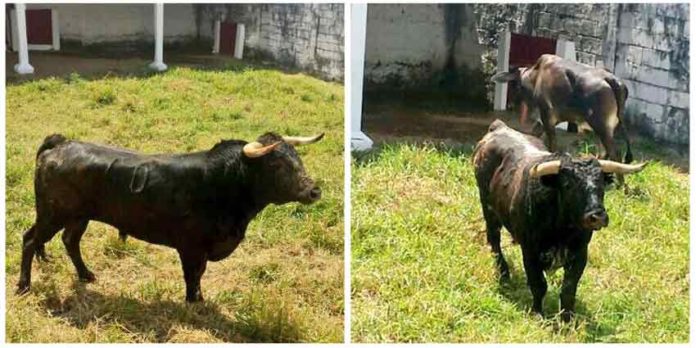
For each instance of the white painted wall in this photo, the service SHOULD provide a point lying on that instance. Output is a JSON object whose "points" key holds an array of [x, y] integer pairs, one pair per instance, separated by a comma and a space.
{"points": [[411, 39], [98, 23]]}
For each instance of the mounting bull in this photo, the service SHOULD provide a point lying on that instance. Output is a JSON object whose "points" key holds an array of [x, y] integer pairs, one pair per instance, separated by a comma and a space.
{"points": [[198, 203], [550, 203], [564, 90]]}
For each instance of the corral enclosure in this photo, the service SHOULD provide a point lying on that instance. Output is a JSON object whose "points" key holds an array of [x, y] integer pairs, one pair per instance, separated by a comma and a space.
{"points": [[284, 283], [414, 49], [308, 37]]}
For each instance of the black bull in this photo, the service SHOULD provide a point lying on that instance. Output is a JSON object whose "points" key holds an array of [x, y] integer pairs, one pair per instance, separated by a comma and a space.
{"points": [[550, 203], [198, 203], [564, 90]]}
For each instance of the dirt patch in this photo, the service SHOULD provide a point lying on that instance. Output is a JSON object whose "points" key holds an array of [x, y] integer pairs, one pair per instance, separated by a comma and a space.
{"points": [[395, 123]]}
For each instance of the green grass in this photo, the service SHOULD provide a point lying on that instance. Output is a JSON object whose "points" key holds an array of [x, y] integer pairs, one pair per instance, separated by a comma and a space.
{"points": [[423, 272], [284, 282]]}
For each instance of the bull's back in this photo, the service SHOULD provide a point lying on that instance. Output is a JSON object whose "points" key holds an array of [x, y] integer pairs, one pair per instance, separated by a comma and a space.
{"points": [[499, 160], [133, 192]]}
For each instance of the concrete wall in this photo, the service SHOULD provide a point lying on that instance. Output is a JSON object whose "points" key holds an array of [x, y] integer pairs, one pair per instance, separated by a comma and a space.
{"points": [[103, 23], [306, 36], [409, 44], [647, 45], [303, 36]]}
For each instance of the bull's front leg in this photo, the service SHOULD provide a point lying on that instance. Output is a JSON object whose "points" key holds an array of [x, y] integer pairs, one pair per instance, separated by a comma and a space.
{"points": [[535, 279], [193, 264], [573, 270]]}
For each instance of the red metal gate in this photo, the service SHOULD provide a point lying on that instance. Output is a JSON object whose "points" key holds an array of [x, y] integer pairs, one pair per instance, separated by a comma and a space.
{"points": [[228, 36], [39, 27], [525, 50]]}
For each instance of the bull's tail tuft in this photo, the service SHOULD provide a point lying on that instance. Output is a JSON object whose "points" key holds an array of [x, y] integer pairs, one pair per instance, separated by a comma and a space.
{"points": [[621, 94], [50, 142]]}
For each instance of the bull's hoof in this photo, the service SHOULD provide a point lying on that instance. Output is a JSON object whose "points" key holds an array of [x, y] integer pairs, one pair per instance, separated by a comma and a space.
{"points": [[87, 277], [194, 298], [566, 316], [22, 288]]}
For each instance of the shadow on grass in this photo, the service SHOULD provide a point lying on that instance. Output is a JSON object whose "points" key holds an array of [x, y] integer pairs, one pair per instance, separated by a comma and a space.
{"points": [[154, 320]]}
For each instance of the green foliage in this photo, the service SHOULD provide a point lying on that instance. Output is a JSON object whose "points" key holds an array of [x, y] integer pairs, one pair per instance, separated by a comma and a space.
{"points": [[422, 270]]}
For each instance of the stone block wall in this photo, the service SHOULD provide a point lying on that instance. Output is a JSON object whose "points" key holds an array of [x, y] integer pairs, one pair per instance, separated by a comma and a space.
{"points": [[646, 45], [309, 37]]}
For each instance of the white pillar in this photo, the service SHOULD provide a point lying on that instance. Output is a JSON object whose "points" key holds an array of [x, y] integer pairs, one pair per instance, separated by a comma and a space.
{"points": [[158, 64], [239, 41], [500, 98], [356, 49], [216, 38], [565, 49], [23, 67]]}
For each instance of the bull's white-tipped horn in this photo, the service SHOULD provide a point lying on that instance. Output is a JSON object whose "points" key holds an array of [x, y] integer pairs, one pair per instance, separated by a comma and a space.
{"points": [[620, 168], [255, 149], [296, 141], [545, 168]]}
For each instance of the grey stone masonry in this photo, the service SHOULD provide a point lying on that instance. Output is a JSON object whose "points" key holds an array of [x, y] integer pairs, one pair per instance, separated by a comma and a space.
{"points": [[646, 45], [308, 37]]}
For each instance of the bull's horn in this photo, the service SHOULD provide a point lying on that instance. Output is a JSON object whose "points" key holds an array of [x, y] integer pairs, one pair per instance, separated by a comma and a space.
{"points": [[545, 168], [296, 141], [620, 168], [255, 149]]}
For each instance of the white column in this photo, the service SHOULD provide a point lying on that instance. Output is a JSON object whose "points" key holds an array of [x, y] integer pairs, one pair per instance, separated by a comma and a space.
{"points": [[23, 67], [55, 29], [500, 98], [565, 49], [216, 38], [356, 49], [158, 64], [239, 41]]}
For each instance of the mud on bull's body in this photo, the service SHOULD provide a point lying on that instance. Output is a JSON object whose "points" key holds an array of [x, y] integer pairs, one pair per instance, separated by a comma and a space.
{"points": [[550, 203]]}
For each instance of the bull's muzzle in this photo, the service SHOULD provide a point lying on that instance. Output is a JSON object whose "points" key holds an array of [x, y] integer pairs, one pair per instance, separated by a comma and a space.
{"points": [[595, 219], [310, 195]]}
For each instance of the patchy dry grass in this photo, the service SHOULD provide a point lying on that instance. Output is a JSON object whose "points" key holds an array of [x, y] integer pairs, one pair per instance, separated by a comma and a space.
{"points": [[284, 282], [423, 272]]}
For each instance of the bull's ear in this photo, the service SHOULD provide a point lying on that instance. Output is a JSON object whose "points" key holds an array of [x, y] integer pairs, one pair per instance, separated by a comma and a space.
{"points": [[504, 76]]}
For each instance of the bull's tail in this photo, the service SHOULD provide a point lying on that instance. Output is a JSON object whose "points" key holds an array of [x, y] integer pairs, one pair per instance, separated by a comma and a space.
{"points": [[621, 94], [50, 142]]}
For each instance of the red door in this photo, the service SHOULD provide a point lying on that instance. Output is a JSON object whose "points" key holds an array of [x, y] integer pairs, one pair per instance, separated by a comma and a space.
{"points": [[39, 27], [228, 36], [525, 50]]}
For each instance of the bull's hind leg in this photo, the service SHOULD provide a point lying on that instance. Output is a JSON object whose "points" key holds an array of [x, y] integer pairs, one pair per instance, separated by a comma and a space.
{"points": [[34, 238], [605, 132], [71, 239], [493, 227]]}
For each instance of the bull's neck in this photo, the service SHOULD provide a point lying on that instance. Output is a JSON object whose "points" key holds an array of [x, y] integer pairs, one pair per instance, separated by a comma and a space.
{"points": [[235, 188]]}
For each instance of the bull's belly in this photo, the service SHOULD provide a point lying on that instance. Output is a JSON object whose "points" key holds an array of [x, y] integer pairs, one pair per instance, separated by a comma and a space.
{"points": [[167, 232]]}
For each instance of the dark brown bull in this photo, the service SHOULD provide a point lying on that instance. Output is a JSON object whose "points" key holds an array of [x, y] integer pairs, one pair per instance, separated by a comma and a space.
{"points": [[565, 90], [550, 203], [198, 203]]}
